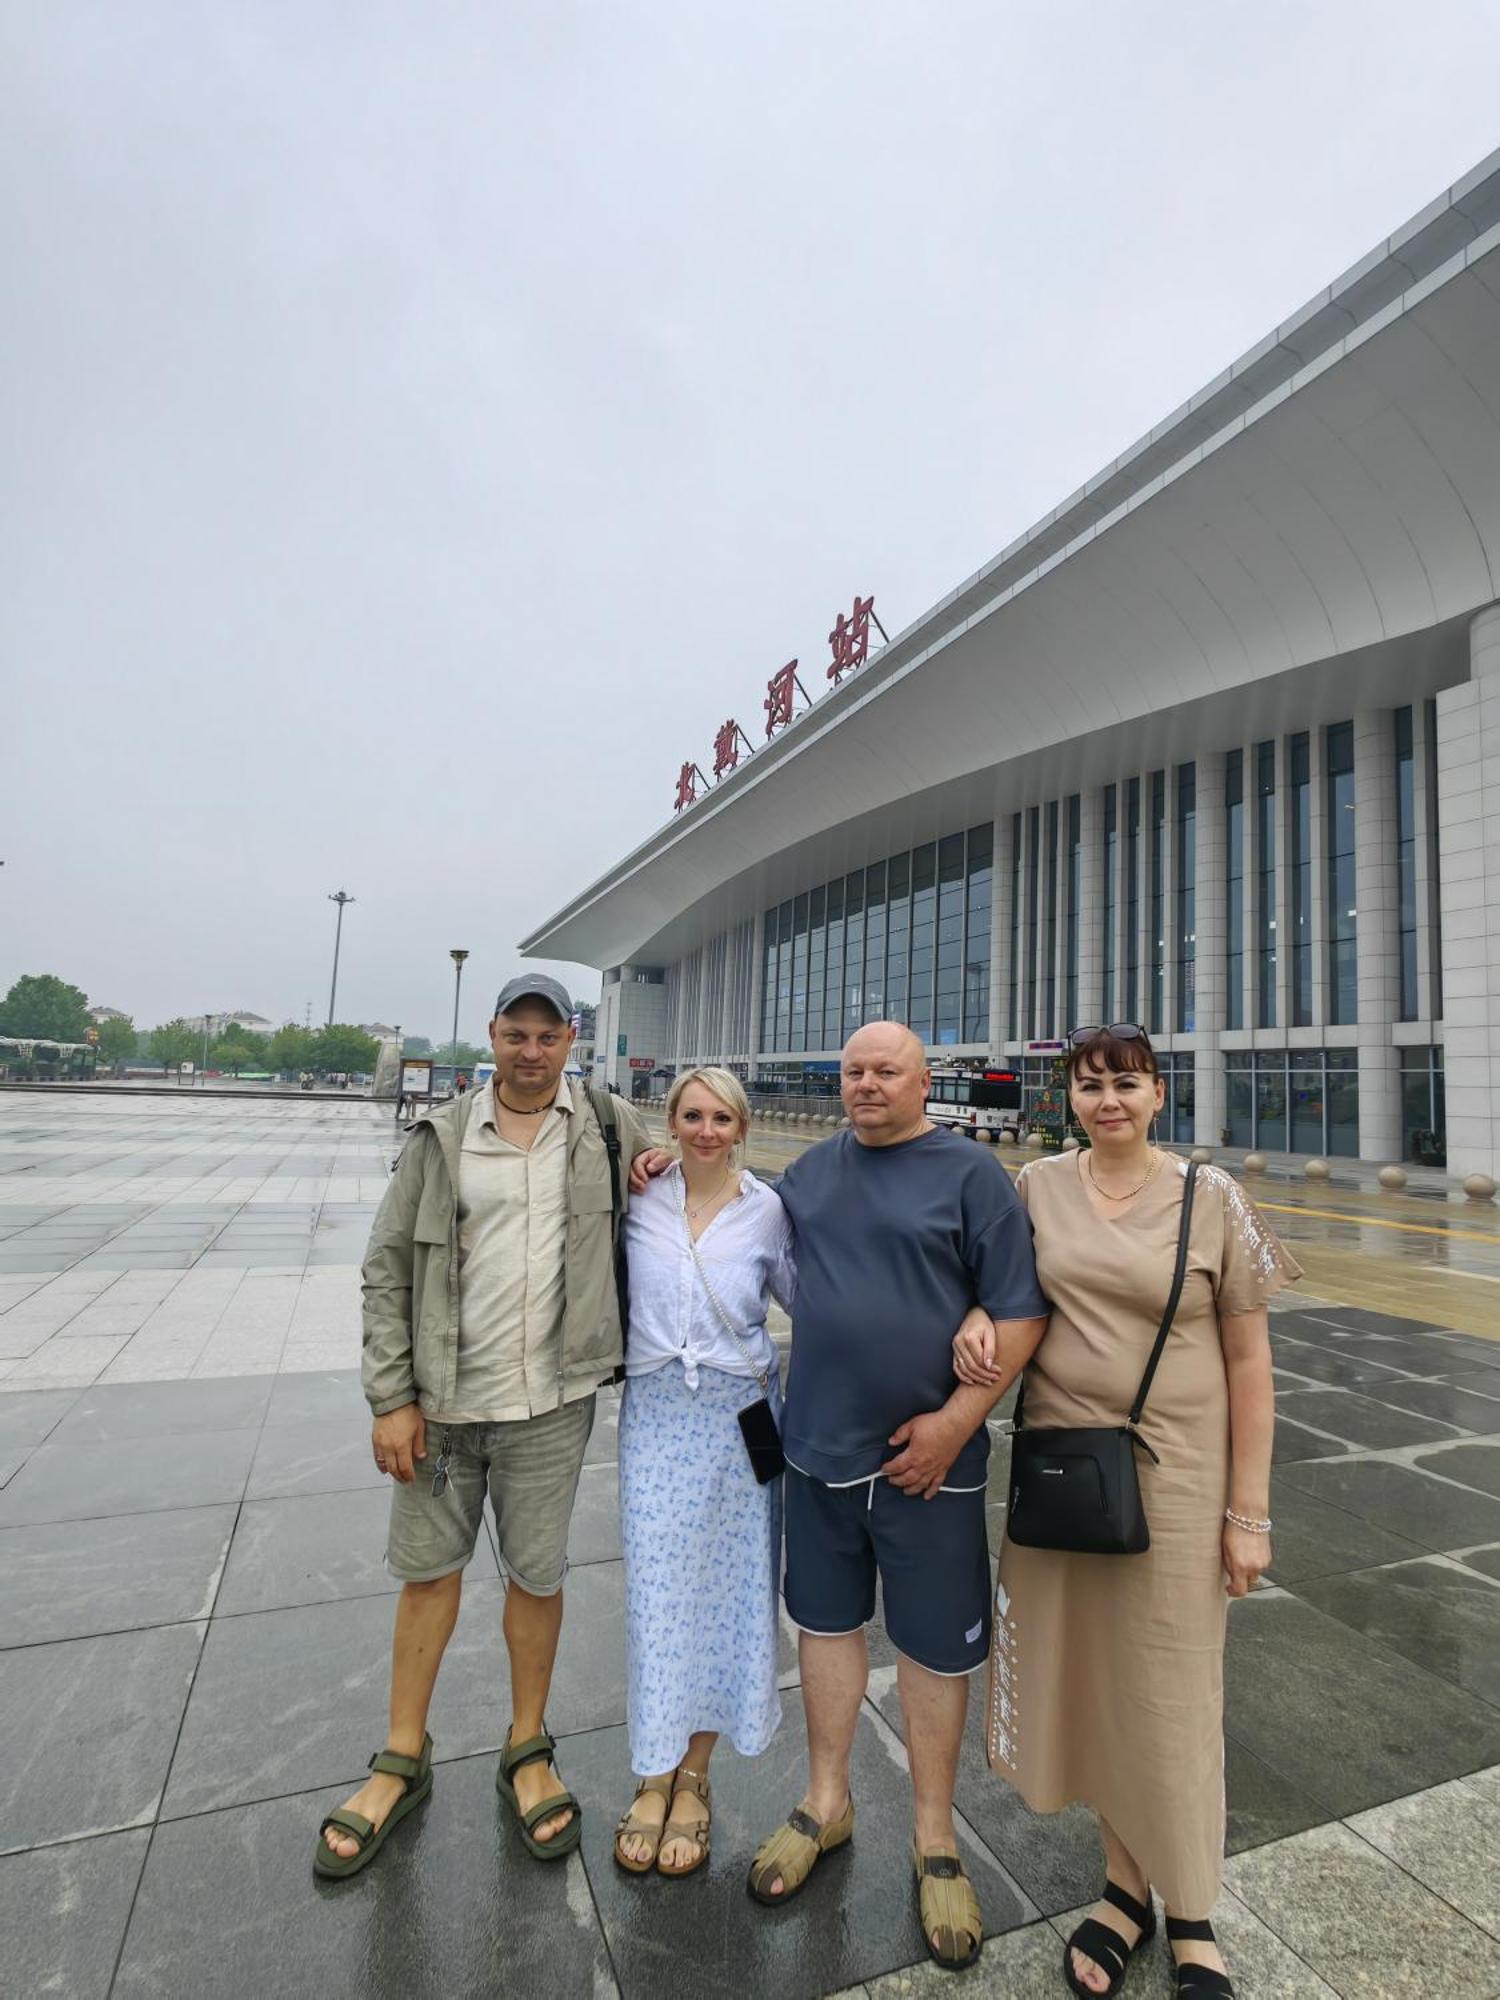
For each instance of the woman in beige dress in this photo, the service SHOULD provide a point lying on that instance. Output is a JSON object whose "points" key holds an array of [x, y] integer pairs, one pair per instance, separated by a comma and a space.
{"points": [[1106, 1673]]}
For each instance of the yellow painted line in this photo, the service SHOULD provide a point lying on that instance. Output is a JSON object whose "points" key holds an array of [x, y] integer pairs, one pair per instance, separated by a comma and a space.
{"points": [[1377, 1222], [1352, 1216]]}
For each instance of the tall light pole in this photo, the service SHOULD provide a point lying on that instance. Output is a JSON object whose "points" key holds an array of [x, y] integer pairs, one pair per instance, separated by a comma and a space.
{"points": [[458, 958], [340, 898]]}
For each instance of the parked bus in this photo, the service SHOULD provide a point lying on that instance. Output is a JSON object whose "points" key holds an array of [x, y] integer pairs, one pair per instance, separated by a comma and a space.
{"points": [[981, 1103]]}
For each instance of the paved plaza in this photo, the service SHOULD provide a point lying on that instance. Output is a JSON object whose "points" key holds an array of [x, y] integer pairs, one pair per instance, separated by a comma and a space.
{"points": [[193, 1654]]}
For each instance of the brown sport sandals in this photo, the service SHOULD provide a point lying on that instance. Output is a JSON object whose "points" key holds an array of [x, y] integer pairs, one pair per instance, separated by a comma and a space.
{"points": [[538, 1750], [949, 1907], [642, 1829], [417, 1771], [697, 1832], [793, 1851]]}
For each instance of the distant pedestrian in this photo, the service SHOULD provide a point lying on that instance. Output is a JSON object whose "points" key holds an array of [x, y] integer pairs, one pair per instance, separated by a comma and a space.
{"points": [[462, 1083]]}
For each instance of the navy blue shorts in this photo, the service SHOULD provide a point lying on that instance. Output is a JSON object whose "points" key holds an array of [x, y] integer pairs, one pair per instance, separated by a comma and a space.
{"points": [[932, 1557]]}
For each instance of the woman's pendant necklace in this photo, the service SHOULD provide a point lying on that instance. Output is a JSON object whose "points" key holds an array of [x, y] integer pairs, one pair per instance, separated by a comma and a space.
{"points": [[704, 1206], [1150, 1174]]}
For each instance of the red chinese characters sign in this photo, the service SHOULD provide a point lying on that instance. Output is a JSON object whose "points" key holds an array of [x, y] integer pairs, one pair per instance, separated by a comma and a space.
{"points": [[689, 778], [727, 747], [850, 640], [781, 692]]}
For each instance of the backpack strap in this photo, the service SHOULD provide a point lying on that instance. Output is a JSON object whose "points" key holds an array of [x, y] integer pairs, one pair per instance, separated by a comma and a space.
{"points": [[609, 1130], [605, 1109], [1184, 1228]]}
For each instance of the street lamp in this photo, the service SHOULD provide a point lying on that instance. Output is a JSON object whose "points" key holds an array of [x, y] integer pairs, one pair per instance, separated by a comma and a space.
{"points": [[340, 898], [458, 958]]}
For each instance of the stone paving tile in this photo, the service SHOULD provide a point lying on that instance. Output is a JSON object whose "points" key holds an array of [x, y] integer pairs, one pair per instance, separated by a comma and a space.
{"points": [[63, 1912], [1361, 1922], [313, 1458], [74, 1482], [27, 1418], [1433, 1611], [75, 1579], [1472, 1464], [86, 1732], [1343, 1720], [163, 1409], [454, 1907], [1448, 1842], [1402, 1500]]}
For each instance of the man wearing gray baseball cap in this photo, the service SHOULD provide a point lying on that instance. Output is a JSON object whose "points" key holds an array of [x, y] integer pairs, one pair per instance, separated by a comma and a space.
{"points": [[491, 1316]]}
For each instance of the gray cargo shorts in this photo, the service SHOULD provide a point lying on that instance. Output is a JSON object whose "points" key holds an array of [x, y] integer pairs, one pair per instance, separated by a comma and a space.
{"points": [[530, 1470]]}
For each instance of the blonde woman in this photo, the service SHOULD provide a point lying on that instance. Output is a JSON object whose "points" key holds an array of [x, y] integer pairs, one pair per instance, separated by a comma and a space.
{"points": [[708, 1246]]}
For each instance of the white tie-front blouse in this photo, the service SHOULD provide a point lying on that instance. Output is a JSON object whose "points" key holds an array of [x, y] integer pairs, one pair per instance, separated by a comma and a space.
{"points": [[747, 1253]]}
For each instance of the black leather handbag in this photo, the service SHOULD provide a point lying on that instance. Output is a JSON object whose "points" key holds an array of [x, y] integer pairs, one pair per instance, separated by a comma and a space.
{"points": [[1080, 1490]]}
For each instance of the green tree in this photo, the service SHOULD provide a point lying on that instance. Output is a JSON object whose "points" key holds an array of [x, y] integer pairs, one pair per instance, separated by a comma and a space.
{"points": [[415, 1045], [342, 1048], [291, 1050], [174, 1043], [235, 1052], [43, 1005], [468, 1054], [117, 1040]]}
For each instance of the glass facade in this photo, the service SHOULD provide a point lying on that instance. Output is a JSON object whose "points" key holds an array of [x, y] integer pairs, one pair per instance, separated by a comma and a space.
{"points": [[1109, 860], [1187, 898], [1293, 1100], [1424, 1136], [906, 939], [1343, 969], [1265, 885], [1179, 1073], [1157, 1023], [1299, 884], [1234, 870], [910, 937], [1131, 1010]]}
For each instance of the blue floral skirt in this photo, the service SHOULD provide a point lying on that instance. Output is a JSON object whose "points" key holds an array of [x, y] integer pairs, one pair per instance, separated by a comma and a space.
{"points": [[702, 1558]]}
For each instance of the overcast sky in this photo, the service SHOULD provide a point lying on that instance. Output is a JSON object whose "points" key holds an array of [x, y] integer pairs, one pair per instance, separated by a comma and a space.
{"points": [[421, 426]]}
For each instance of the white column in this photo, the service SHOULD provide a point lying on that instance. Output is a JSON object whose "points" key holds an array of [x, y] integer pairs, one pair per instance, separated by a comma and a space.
{"points": [[1469, 863], [1424, 821], [1032, 933], [757, 989], [1283, 889], [1001, 917], [1169, 902], [1090, 907], [1250, 914], [1377, 940], [1211, 925], [1320, 922]]}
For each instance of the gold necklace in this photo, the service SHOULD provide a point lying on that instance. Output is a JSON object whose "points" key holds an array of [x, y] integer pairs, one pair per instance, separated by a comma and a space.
{"points": [[1105, 1193], [694, 1213]]}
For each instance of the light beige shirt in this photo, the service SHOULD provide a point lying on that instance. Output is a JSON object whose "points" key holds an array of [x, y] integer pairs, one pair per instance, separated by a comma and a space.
{"points": [[512, 1235]]}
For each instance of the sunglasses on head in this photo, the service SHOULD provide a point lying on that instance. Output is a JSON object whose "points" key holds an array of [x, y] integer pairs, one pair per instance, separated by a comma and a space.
{"points": [[1123, 1031]]}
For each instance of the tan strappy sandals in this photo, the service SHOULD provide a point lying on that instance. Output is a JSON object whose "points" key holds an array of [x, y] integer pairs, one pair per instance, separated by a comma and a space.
{"points": [[697, 1832]]}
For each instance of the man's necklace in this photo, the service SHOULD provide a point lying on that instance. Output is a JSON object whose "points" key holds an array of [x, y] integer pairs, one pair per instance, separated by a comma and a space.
{"points": [[1093, 1183], [515, 1110]]}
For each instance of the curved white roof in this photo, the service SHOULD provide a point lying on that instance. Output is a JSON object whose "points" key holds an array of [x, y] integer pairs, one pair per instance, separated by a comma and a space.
{"points": [[1331, 502]]}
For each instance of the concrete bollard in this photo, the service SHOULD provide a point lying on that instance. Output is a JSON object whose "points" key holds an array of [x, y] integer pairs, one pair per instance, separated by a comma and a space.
{"points": [[1255, 1163], [1393, 1178], [1479, 1187], [1317, 1170], [1007, 1137], [1202, 1155], [1070, 1144]]}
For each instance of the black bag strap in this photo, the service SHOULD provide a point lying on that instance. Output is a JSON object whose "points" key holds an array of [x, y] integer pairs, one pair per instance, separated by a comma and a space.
{"points": [[1178, 1275], [609, 1130]]}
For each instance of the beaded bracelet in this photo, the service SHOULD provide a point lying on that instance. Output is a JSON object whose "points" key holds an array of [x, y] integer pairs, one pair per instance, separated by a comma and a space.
{"points": [[1244, 1521]]}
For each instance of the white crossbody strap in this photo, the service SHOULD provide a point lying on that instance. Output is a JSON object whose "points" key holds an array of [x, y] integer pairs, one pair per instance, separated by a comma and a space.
{"points": [[725, 1321]]}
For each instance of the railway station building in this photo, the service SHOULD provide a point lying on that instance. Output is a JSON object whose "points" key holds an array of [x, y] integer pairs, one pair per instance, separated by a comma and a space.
{"points": [[1215, 746]]}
